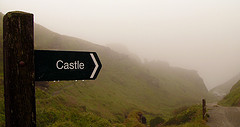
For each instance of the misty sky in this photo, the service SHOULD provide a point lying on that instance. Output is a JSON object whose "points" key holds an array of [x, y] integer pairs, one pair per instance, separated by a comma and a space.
{"points": [[203, 35]]}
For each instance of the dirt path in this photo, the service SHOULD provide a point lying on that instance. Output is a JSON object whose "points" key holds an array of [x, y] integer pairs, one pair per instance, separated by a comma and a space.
{"points": [[223, 116]]}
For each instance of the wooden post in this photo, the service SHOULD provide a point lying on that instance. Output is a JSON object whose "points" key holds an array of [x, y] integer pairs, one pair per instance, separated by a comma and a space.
{"points": [[204, 108], [19, 84]]}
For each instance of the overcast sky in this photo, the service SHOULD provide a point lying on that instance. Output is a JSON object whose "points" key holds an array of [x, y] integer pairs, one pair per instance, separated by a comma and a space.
{"points": [[203, 35]]}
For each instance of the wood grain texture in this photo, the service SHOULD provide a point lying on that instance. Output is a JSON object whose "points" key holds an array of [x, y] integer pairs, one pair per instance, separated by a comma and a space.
{"points": [[19, 84]]}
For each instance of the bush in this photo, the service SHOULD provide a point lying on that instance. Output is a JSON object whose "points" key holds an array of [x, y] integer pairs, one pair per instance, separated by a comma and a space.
{"points": [[134, 119], [183, 117], [156, 121]]}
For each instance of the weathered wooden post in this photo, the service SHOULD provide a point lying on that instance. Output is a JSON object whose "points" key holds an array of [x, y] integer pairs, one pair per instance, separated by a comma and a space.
{"points": [[204, 108], [19, 84]]}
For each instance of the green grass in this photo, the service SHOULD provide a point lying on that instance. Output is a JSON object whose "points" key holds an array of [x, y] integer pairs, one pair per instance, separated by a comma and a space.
{"points": [[190, 117], [123, 85], [233, 97], [133, 119], [58, 111]]}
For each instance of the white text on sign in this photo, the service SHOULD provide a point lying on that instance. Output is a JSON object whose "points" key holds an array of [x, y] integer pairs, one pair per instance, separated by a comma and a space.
{"points": [[72, 65]]}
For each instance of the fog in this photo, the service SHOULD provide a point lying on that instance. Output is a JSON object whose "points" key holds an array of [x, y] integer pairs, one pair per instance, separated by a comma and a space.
{"points": [[203, 35]]}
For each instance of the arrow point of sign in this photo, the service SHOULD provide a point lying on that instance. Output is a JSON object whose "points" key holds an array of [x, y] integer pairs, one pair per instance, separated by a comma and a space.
{"points": [[96, 65]]}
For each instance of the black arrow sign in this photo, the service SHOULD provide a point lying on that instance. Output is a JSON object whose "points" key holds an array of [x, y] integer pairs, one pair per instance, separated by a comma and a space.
{"points": [[66, 65]]}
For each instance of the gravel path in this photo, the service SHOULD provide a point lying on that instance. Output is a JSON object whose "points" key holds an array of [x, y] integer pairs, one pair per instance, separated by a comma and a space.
{"points": [[223, 116]]}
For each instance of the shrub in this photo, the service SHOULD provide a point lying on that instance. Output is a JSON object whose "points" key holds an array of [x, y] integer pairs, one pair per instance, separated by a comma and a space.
{"points": [[156, 121], [183, 117]]}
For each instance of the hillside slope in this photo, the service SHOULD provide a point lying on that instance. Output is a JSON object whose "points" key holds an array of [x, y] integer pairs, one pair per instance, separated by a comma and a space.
{"points": [[143, 82], [233, 97], [223, 89], [124, 83]]}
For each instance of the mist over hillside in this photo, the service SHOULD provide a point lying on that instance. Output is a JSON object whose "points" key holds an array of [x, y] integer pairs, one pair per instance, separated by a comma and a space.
{"points": [[232, 98], [159, 60], [122, 70], [223, 89], [122, 49], [124, 83]]}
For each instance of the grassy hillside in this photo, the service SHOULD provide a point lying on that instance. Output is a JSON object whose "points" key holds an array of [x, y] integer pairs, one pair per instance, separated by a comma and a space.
{"points": [[187, 117], [184, 82], [123, 85], [223, 89], [128, 81], [233, 97]]}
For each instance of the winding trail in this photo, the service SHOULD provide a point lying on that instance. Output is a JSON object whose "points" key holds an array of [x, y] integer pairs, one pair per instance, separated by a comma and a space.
{"points": [[223, 116]]}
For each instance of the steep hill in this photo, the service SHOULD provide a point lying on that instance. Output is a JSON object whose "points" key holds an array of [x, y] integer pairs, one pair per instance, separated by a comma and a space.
{"points": [[124, 84], [148, 87], [233, 97], [223, 89]]}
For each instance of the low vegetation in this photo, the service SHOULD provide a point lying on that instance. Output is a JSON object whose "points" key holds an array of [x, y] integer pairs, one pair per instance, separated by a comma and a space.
{"points": [[233, 97], [157, 121], [135, 119], [188, 117], [222, 90], [56, 111], [124, 89]]}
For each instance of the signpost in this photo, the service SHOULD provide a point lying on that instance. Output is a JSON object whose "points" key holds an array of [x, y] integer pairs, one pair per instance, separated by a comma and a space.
{"points": [[23, 66], [19, 84], [66, 65], [204, 109]]}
